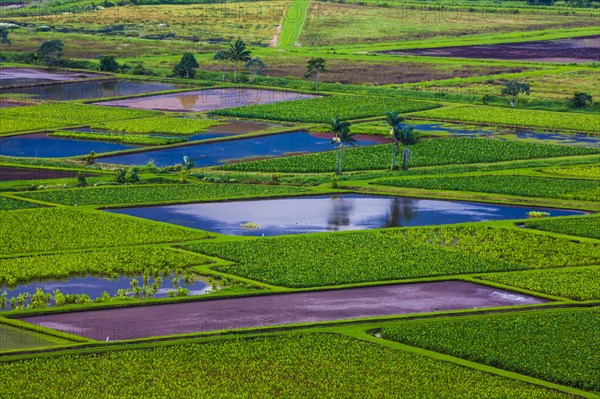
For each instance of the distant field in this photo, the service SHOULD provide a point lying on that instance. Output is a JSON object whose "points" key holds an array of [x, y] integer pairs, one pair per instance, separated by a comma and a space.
{"points": [[256, 21], [550, 85], [334, 24]]}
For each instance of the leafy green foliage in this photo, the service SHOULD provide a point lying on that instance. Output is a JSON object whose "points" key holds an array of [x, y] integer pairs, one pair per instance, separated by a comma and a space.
{"points": [[49, 229], [511, 245], [159, 124], [144, 139], [158, 193], [260, 368], [424, 153], [582, 227], [516, 117], [533, 343], [101, 262], [318, 260], [322, 109], [581, 284], [9, 204], [585, 171], [528, 186], [47, 116]]}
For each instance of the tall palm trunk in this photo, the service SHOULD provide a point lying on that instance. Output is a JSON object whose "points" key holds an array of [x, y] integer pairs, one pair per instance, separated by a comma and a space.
{"points": [[234, 71], [405, 158]]}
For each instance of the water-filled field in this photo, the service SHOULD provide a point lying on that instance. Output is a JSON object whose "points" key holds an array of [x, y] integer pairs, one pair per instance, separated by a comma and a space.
{"points": [[222, 152], [322, 213], [208, 100]]}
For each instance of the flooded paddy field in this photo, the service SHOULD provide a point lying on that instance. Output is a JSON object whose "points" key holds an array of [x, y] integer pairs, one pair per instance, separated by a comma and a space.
{"points": [[208, 99], [271, 310], [87, 90], [29, 76], [40, 145], [218, 153], [336, 212]]}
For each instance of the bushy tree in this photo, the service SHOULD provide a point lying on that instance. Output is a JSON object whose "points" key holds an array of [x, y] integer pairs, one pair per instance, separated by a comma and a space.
{"points": [[255, 66], [186, 68], [512, 90], [579, 100], [314, 67], [50, 51], [108, 64], [4, 39]]}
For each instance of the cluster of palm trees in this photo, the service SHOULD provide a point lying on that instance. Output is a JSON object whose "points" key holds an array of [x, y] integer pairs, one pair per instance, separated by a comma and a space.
{"points": [[402, 135]]}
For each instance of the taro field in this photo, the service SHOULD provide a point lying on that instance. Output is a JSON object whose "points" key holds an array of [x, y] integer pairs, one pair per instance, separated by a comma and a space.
{"points": [[300, 199]]}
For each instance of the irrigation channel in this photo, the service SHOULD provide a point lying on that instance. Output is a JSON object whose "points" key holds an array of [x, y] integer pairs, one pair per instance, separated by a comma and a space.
{"points": [[280, 309]]}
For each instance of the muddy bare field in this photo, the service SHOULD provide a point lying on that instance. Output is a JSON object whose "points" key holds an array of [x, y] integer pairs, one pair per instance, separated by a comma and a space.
{"points": [[10, 173], [271, 310], [578, 50], [360, 72]]}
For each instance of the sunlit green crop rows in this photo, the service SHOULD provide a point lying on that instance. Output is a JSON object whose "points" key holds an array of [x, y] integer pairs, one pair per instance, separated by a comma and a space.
{"points": [[574, 283], [49, 229], [55, 115], [322, 109], [318, 260], [102, 262], [583, 227], [159, 124], [296, 366], [424, 153], [8, 204], [585, 171], [558, 347], [517, 117], [527, 186], [143, 139], [159, 193]]}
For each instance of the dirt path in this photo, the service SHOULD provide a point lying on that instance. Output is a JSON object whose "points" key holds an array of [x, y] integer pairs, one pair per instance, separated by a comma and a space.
{"points": [[270, 310]]}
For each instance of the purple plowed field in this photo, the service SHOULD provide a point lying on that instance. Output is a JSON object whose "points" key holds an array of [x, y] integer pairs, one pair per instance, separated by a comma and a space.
{"points": [[10, 173], [583, 49], [271, 310]]}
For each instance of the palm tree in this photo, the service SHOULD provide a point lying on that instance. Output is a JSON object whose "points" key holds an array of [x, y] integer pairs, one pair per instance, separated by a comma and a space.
{"points": [[406, 136], [237, 52], [394, 120], [341, 137]]}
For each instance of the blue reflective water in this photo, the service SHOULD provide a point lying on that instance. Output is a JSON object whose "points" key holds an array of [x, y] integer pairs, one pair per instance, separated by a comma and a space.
{"points": [[41, 146], [211, 154], [95, 286], [582, 139], [328, 213], [87, 90]]}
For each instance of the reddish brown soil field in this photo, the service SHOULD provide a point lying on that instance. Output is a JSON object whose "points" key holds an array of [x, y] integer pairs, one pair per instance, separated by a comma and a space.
{"points": [[566, 50], [271, 310], [381, 73], [10, 173]]}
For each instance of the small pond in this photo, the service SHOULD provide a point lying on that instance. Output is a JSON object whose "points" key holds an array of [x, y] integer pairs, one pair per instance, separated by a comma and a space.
{"points": [[207, 100], [324, 213], [211, 154], [39, 145], [95, 286], [87, 90]]}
